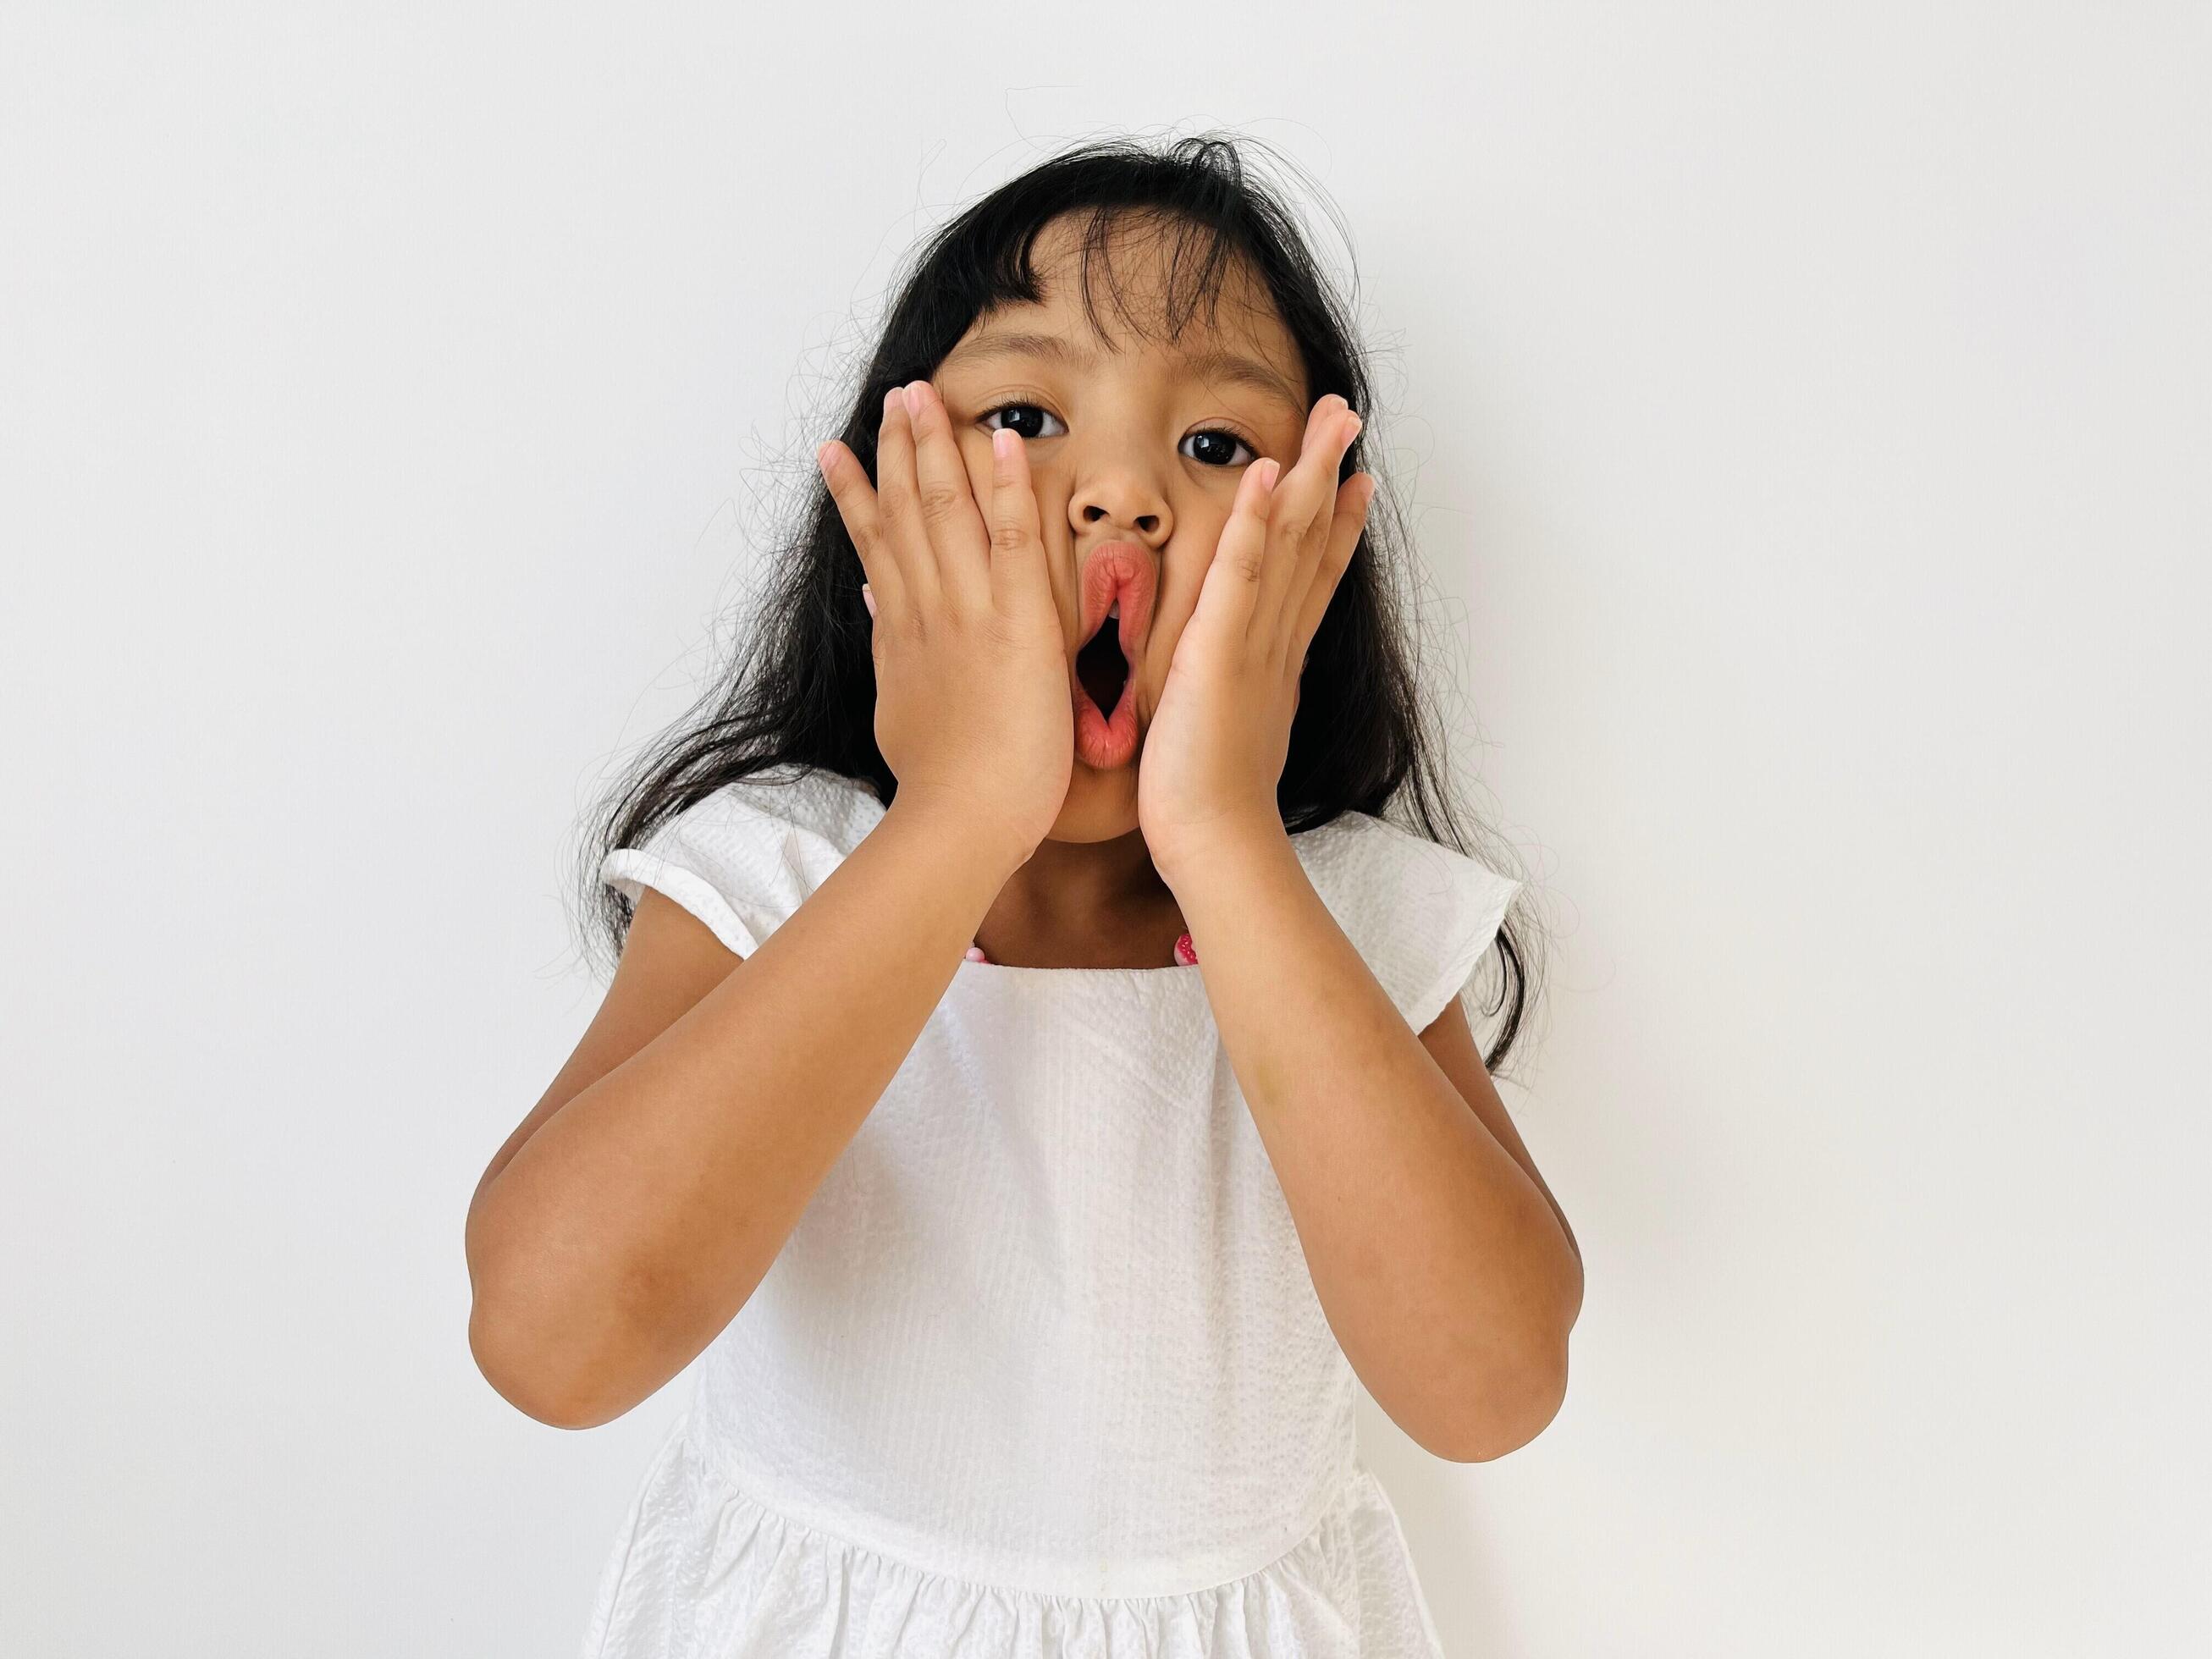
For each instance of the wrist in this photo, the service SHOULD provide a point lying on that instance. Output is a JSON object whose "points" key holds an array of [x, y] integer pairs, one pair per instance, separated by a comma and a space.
{"points": [[975, 839], [1226, 844]]}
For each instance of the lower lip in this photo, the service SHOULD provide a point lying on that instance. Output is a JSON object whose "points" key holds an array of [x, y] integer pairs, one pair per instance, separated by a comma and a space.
{"points": [[1103, 741]]}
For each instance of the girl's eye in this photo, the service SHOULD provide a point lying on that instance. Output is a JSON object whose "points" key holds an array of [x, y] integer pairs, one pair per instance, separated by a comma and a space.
{"points": [[1028, 409], [1219, 437]]}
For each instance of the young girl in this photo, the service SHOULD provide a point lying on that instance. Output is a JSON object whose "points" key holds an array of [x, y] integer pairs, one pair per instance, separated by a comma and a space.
{"points": [[1035, 1081]]}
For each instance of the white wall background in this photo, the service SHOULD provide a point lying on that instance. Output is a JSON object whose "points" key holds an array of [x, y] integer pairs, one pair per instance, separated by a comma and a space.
{"points": [[1806, 409]]}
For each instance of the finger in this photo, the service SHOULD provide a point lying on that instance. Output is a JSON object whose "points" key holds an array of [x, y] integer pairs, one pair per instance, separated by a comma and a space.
{"points": [[1302, 500], [958, 539], [1224, 614], [856, 503], [1018, 576], [899, 511], [1346, 528], [1302, 558]]}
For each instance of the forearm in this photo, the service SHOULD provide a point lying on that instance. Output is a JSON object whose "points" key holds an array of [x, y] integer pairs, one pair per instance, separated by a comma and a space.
{"points": [[631, 1227], [1443, 1267]]}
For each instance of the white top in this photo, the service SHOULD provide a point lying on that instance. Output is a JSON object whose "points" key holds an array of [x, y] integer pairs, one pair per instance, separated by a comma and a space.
{"points": [[1041, 1371]]}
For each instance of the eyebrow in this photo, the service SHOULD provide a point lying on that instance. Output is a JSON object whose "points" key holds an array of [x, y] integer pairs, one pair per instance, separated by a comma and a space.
{"points": [[1230, 365]]}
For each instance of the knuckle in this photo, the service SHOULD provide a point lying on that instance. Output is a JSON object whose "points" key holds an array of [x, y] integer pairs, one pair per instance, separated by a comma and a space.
{"points": [[939, 500]]}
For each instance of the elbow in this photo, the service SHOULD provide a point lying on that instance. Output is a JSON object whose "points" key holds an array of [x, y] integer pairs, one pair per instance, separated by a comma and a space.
{"points": [[523, 1336], [1512, 1401], [1506, 1415], [535, 1382]]}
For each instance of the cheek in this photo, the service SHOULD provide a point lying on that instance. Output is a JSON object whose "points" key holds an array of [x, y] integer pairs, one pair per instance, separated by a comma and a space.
{"points": [[1160, 647]]}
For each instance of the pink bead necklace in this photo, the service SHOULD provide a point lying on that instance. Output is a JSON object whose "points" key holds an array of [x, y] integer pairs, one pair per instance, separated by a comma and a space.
{"points": [[1186, 953]]}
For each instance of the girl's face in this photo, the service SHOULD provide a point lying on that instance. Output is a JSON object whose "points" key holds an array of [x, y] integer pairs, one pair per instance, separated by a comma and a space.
{"points": [[1135, 447]]}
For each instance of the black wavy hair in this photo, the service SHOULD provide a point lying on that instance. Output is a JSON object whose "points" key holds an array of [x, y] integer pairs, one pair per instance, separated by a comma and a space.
{"points": [[801, 690]]}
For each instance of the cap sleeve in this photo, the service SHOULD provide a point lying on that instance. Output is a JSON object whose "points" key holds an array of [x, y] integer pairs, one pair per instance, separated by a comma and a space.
{"points": [[1420, 914], [744, 858]]}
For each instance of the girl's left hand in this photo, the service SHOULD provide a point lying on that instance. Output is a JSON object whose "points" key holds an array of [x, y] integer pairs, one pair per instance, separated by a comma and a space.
{"points": [[1213, 754]]}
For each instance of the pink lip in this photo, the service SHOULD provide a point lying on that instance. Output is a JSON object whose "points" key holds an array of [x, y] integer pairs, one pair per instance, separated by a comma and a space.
{"points": [[1122, 570]]}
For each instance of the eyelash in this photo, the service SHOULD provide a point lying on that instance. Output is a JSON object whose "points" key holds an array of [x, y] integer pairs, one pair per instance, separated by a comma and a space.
{"points": [[1203, 431]]}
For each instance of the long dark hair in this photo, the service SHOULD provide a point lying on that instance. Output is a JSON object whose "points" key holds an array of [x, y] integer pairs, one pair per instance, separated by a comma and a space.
{"points": [[802, 689]]}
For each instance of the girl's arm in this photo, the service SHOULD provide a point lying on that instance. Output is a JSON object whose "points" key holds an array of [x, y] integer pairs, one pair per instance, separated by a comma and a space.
{"points": [[1444, 1266], [631, 1215]]}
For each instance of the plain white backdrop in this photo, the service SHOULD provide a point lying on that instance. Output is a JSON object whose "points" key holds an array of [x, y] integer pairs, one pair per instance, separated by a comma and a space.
{"points": [[1805, 413]]}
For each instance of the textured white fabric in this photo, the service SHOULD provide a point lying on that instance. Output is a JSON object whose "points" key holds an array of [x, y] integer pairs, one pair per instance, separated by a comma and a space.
{"points": [[1040, 1373]]}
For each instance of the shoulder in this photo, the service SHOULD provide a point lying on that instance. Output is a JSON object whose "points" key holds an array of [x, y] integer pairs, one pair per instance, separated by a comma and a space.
{"points": [[1360, 855], [744, 856], [1420, 913], [787, 799]]}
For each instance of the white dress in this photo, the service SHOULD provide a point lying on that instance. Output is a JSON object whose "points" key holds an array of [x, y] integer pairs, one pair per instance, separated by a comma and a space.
{"points": [[1041, 1372]]}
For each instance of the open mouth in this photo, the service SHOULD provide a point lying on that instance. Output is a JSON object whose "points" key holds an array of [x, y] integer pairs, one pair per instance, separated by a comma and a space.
{"points": [[1116, 613], [1100, 667]]}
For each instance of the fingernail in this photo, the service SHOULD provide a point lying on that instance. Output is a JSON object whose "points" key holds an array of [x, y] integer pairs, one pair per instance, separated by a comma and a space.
{"points": [[895, 399], [821, 456], [867, 598]]}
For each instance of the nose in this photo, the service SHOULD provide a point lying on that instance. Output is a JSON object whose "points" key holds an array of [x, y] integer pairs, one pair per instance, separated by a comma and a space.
{"points": [[1145, 525], [1117, 495]]}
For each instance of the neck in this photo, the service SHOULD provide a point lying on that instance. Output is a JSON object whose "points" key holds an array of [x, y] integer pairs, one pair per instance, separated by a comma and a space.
{"points": [[1091, 903], [1089, 878]]}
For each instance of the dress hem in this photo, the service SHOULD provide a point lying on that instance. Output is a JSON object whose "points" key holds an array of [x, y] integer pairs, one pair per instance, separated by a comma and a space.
{"points": [[1138, 1582], [705, 1566]]}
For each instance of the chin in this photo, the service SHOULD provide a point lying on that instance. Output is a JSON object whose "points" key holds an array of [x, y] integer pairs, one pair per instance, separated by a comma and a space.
{"points": [[1100, 806]]}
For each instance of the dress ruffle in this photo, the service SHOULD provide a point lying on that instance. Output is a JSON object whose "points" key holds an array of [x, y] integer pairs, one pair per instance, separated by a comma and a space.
{"points": [[706, 1570]]}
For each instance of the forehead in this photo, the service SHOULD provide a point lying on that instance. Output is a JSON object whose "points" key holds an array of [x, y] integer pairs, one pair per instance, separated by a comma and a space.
{"points": [[1231, 337]]}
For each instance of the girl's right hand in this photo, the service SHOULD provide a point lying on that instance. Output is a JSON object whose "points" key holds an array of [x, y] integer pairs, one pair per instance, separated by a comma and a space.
{"points": [[973, 706]]}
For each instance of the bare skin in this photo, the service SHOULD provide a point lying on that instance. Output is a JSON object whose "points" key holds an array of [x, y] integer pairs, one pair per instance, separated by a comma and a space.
{"points": [[631, 1213]]}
